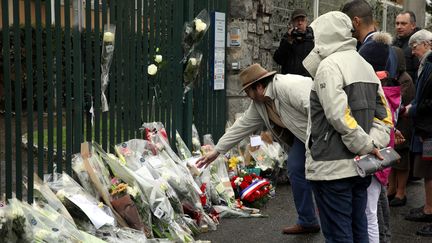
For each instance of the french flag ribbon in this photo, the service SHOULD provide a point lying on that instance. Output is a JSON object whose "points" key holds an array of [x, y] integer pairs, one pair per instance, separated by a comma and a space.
{"points": [[256, 185]]}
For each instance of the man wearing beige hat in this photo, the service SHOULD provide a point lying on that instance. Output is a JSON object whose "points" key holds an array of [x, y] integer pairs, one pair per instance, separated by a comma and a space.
{"points": [[281, 103]]}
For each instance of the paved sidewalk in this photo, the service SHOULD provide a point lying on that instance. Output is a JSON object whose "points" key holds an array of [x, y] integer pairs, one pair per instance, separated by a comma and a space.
{"points": [[282, 213]]}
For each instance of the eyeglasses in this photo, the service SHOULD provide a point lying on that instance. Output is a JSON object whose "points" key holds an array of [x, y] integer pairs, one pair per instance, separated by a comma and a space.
{"points": [[414, 46]]}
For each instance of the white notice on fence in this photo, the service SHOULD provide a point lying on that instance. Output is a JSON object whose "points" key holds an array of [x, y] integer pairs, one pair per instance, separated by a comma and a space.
{"points": [[96, 215]]}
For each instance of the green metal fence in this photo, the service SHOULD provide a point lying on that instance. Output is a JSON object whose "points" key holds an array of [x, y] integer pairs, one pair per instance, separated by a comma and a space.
{"points": [[50, 65]]}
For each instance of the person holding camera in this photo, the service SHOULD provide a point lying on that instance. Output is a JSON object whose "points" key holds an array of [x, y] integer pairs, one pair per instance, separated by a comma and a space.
{"points": [[295, 45]]}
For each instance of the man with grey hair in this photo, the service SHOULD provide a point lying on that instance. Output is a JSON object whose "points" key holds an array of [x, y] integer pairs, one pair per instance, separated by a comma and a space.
{"points": [[295, 44], [405, 28]]}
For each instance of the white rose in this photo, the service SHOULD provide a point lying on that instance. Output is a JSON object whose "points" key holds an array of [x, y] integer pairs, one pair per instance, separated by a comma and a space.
{"points": [[133, 191], [193, 61], [108, 37], [158, 58], [200, 25], [152, 69]]}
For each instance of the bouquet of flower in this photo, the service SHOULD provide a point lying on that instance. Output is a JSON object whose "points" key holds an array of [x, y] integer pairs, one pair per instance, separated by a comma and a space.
{"points": [[123, 235], [132, 190], [191, 71], [251, 189], [13, 225], [221, 182], [106, 59], [164, 220], [196, 144], [194, 31], [42, 194], [82, 175], [262, 159], [122, 196], [82, 206], [132, 152], [151, 129], [48, 225], [182, 149]]}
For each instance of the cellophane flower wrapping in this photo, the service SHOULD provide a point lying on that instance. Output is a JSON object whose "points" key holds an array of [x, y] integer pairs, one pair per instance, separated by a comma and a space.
{"points": [[194, 31], [189, 192], [262, 159], [164, 220], [122, 200], [83, 176], [108, 41], [13, 224], [120, 235], [196, 144], [182, 149], [191, 70], [43, 194], [137, 196], [47, 224], [221, 183], [83, 207]]}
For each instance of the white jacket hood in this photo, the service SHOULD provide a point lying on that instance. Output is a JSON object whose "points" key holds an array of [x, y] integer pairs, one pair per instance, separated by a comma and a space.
{"points": [[333, 33]]}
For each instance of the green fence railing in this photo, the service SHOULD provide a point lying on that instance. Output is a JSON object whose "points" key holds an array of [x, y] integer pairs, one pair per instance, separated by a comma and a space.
{"points": [[50, 70]]}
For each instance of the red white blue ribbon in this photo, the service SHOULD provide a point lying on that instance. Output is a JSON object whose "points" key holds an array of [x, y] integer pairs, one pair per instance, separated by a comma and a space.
{"points": [[255, 186]]}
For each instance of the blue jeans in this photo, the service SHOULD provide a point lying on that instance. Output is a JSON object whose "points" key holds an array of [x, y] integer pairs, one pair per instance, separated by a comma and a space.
{"points": [[341, 204], [301, 189]]}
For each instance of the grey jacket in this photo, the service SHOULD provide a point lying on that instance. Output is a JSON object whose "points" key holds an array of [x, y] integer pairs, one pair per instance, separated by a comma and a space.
{"points": [[348, 111], [291, 96]]}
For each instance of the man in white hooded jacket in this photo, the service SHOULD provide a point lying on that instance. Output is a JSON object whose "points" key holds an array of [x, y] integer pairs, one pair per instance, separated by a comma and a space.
{"points": [[349, 116]]}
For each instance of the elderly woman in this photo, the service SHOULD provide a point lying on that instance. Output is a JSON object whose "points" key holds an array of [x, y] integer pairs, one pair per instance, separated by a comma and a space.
{"points": [[420, 111]]}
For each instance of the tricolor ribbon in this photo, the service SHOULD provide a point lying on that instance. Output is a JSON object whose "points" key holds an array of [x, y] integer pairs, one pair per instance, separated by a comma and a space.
{"points": [[255, 186]]}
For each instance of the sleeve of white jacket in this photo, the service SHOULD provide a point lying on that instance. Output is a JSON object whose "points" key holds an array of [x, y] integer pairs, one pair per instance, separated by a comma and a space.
{"points": [[333, 99], [242, 127]]}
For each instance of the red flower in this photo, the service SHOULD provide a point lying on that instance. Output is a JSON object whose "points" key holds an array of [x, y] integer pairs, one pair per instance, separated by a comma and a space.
{"points": [[247, 179], [244, 184]]}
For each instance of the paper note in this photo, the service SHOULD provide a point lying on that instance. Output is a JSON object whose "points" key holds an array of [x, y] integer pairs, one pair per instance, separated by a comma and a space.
{"points": [[256, 141], [96, 215]]}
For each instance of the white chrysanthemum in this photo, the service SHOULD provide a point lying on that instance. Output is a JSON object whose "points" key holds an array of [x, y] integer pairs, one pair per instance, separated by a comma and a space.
{"points": [[193, 61], [152, 69], [133, 191], [200, 25], [108, 37], [158, 58]]}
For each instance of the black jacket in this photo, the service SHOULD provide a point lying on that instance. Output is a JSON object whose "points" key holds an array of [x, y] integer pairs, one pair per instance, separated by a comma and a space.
{"points": [[412, 62], [423, 101], [290, 56]]}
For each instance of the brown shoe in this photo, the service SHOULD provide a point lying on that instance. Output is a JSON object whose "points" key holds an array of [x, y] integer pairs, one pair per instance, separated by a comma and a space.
{"points": [[298, 229]]}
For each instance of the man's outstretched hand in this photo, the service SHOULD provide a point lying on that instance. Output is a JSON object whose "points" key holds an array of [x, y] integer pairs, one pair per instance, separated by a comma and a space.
{"points": [[205, 160]]}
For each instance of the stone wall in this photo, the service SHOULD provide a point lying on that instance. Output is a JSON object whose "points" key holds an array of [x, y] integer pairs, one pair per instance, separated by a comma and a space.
{"points": [[261, 24]]}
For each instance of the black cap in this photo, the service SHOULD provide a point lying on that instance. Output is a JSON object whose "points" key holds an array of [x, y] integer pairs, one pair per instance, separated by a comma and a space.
{"points": [[298, 13]]}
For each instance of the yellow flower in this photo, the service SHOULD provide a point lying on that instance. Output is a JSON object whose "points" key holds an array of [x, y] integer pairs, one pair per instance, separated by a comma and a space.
{"points": [[232, 162]]}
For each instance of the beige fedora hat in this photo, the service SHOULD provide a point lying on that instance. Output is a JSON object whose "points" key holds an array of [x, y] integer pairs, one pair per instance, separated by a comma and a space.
{"points": [[252, 74]]}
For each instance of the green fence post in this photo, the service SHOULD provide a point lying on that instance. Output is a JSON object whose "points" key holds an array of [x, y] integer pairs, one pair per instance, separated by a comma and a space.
{"points": [[29, 69], [8, 94], [187, 106]]}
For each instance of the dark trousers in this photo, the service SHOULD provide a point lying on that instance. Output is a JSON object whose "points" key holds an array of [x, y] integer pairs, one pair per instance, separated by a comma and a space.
{"points": [[341, 204], [301, 189]]}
